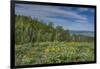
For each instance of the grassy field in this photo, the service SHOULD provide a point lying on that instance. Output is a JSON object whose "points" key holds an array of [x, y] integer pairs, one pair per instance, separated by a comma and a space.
{"points": [[54, 52]]}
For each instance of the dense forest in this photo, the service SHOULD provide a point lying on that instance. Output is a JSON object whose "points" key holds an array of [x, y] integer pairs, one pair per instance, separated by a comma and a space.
{"points": [[37, 42], [34, 30]]}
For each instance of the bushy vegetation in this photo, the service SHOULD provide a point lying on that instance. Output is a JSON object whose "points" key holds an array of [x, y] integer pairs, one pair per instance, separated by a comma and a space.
{"points": [[37, 42]]}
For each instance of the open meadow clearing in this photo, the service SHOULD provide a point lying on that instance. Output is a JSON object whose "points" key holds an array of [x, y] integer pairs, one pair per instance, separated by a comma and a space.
{"points": [[54, 52]]}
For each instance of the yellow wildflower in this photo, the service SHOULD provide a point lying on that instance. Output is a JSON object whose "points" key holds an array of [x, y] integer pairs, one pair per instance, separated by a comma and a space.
{"points": [[53, 49], [58, 49], [46, 50]]}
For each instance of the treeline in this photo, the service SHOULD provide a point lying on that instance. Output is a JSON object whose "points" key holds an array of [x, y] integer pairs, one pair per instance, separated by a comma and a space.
{"points": [[33, 30]]}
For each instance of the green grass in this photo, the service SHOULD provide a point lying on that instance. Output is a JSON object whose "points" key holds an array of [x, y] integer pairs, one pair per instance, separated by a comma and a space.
{"points": [[54, 52]]}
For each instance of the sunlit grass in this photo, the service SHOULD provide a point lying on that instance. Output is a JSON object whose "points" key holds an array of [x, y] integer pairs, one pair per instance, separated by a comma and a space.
{"points": [[54, 52]]}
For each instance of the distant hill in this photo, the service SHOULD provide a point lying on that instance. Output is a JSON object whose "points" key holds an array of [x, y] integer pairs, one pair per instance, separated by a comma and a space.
{"points": [[86, 33]]}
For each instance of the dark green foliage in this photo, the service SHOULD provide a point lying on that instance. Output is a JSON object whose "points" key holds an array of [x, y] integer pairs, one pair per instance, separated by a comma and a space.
{"points": [[34, 30]]}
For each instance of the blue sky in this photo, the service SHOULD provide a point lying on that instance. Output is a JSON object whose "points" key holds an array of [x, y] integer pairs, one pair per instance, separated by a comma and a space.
{"points": [[72, 18]]}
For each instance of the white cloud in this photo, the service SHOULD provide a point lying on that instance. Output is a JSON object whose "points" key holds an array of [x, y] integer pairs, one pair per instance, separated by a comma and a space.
{"points": [[45, 11], [83, 9], [81, 21]]}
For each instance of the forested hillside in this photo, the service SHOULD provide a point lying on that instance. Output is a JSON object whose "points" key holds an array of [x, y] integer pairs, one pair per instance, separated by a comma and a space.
{"points": [[34, 30]]}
